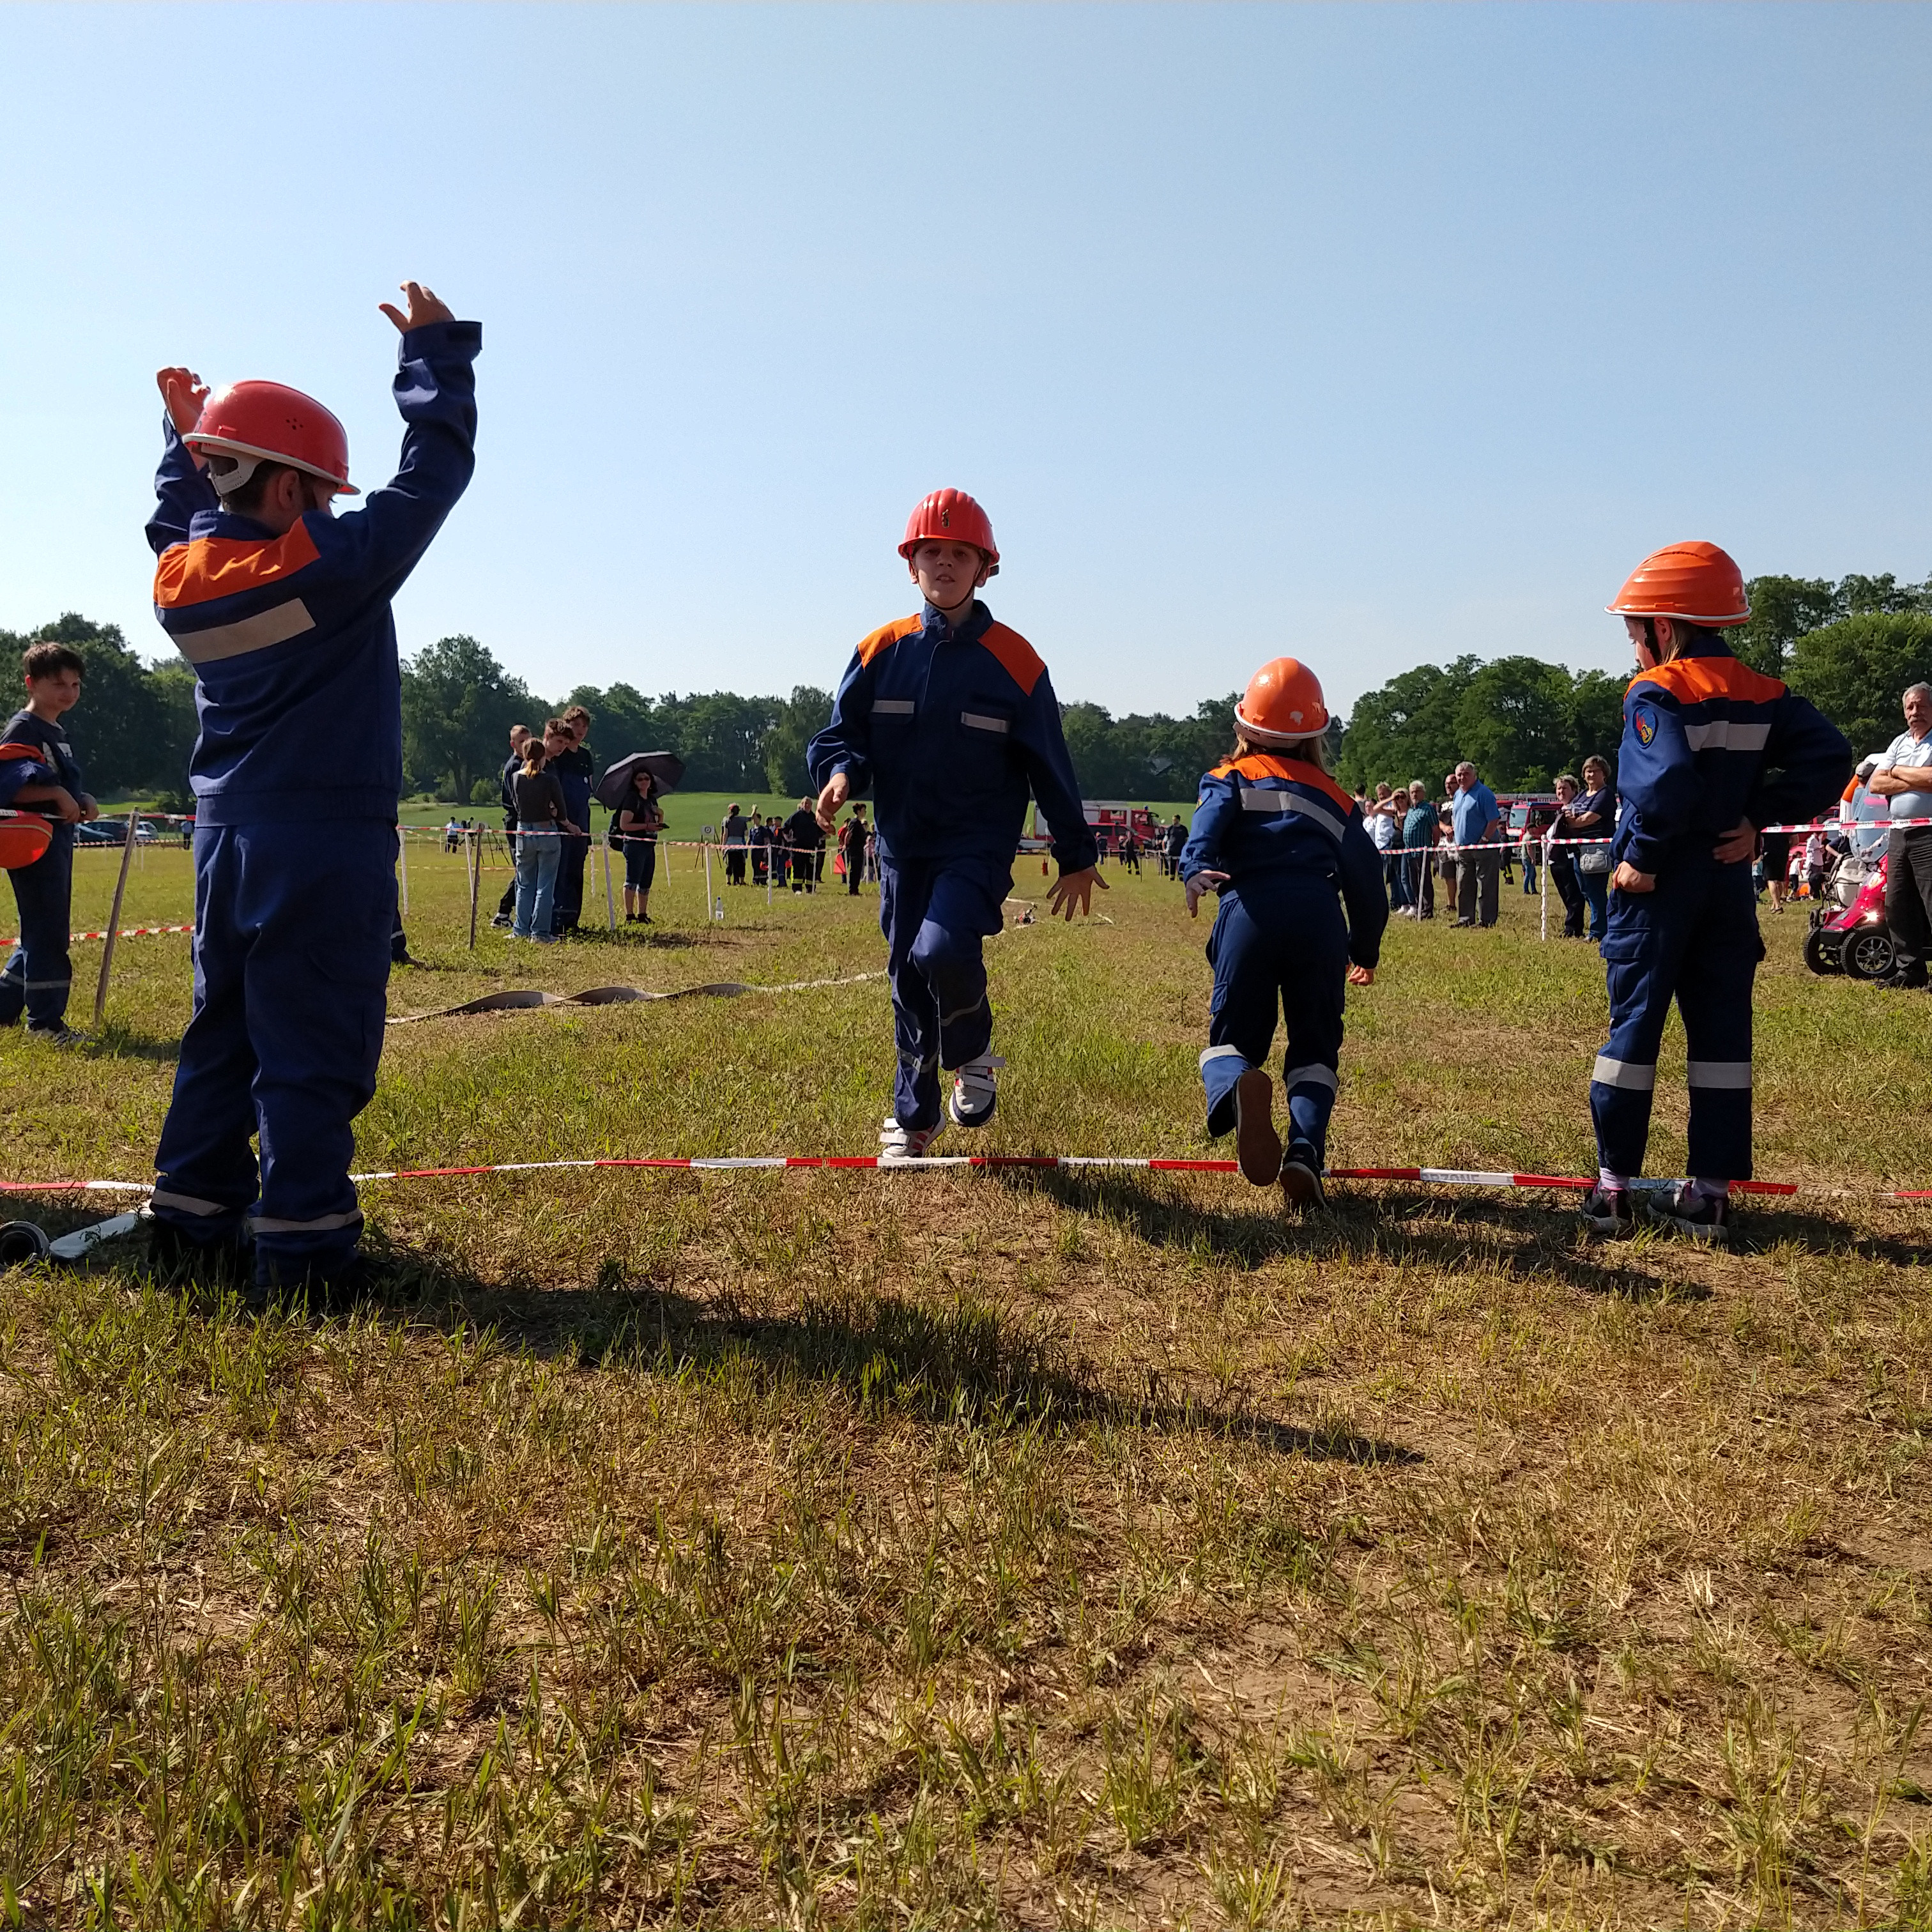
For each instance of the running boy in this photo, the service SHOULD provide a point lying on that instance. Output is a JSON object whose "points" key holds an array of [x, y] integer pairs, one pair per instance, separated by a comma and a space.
{"points": [[1275, 836], [949, 718], [283, 611], [39, 773]]}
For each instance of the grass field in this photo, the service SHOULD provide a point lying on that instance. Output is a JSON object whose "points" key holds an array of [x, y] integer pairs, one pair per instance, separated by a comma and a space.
{"points": [[825, 1548]]}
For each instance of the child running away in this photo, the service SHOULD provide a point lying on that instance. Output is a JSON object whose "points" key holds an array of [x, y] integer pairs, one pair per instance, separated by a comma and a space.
{"points": [[1275, 836], [282, 609], [948, 718]]}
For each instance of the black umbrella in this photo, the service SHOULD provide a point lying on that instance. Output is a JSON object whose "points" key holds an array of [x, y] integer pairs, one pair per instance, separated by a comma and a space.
{"points": [[614, 787]]}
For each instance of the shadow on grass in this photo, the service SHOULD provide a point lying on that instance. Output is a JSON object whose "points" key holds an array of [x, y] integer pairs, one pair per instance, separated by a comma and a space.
{"points": [[117, 1041], [962, 1363], [1517, 1239]]}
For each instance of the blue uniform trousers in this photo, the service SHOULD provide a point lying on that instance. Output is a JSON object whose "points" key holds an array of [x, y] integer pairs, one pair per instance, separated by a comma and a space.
{"points": [[38, 975], [934, 913], [1694, 939], [291, 960], [1288, 954]]}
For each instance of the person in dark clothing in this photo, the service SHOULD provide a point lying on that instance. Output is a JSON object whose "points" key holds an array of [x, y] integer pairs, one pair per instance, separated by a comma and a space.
{"points": [[805, 845], [852, 842], [39, 773], [1173, 843], [1563, 861], [575, 770], [735, 831], [520, 735], [758, 843], [640, 820], [542, 819]]}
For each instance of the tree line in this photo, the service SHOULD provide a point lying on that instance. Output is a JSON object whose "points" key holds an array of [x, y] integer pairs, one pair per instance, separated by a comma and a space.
{"points": [[1851, 647]]}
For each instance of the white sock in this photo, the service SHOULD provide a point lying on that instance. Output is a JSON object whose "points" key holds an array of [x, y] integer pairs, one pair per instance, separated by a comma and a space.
{"points": [[1614, 1183], [1710, 1190]]}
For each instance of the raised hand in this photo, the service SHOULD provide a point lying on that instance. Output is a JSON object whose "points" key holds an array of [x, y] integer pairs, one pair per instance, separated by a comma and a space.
{"points": [[184, 392], [425, 307]]}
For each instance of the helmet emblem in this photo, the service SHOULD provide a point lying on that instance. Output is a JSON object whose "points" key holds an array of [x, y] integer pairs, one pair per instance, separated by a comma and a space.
{"points": [[945, 520], [1296, 716]]}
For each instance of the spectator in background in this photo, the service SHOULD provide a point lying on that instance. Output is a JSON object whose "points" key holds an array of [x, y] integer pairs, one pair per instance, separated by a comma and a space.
{"points": [[1378, 820], [758, 843], [1175, 843], [1445, 837], [852, 836], [736, 834], [805, 845], [1593, 814], [1420, 830], [542, 818], [1477, 821], [574, 770], [1130, 852], [1563, 859], [1901, 777], [520, 736], [640, 819]]}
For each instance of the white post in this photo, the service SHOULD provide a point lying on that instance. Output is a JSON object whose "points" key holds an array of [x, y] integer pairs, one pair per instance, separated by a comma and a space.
{"points": [[1547, 837], [402, 862], [610, 898]]}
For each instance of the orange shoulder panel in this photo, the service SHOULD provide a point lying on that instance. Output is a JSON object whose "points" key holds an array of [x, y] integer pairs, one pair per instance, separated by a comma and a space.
{"points": [[1693, 680], [1018, 659], [886, 634], [212, 567], [1297, 771]]}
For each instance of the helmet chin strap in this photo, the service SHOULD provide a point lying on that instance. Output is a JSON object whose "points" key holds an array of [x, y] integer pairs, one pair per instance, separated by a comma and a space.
{"points": [[234, 477]]}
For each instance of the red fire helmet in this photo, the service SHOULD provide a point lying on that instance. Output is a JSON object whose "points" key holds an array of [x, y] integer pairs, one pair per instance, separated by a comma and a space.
{"points": [[272, 423], [951, 516]]}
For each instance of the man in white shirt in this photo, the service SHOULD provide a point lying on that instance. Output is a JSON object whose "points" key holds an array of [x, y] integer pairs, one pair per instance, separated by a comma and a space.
{"points": [[1903, 779]]}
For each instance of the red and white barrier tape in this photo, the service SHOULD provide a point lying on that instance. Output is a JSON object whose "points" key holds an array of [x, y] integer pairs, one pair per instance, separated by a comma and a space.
{"points": [[1431, 1176], [126, 932]]}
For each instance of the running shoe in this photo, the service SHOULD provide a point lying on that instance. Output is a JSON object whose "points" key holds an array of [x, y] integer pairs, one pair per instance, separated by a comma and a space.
{"points": [[976, 1091], [1257, 1145], [1301, 1176], [1607, 1212], [1702, 1217], [59, 1034], [902, 1143]]}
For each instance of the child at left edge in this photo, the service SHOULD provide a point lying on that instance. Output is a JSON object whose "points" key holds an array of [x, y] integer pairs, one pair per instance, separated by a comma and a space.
{"points": [[1276, 836]]}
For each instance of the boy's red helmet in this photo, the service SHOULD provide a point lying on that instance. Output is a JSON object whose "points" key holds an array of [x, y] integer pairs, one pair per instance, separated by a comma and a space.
{"points": [[25, 836], [951, 516], [1281, 705], [1697, 582], [272, 423]]}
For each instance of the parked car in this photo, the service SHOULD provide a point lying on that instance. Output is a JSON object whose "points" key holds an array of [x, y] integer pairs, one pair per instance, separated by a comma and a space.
{"points": [[114, 832]]}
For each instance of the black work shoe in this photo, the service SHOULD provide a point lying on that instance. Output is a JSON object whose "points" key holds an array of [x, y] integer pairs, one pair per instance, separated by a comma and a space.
{"points": [[1301, 1176], [1702, 1217], [1607, 1213], [175, 1260], [1257, 1145]]}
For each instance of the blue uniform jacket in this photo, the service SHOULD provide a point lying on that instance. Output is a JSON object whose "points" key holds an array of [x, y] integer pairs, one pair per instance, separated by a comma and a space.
{"points": [[1707, 741], [294, 649], [55, 764], [949, 728], [1276, 825]]}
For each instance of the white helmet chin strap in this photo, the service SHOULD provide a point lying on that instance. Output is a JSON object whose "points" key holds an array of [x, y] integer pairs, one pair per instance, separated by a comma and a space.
{"points": [[234, 474]]}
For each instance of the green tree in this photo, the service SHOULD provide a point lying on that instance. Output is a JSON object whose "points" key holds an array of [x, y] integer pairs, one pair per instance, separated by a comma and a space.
{"points": [[1512, 723], [1407, 728], [1596, 719], [115, 727], [1856, 670], [805, 713], [1782, 610], [458, 705]]}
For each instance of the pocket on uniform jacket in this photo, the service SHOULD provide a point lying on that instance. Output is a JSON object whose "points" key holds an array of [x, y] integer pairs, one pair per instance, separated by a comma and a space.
{"points": [[984, 730]]}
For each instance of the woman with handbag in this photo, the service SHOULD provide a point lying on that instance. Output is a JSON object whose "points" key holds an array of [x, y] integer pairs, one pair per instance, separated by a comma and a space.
{"points": [[1562, 859], [1593, 814]]}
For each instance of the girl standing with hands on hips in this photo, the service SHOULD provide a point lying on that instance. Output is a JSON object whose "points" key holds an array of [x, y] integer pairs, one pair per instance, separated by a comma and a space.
{"points": [[1285, 846]]}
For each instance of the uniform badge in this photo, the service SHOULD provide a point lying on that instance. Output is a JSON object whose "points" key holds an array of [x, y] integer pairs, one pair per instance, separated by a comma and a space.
{"points": [[1644, 724]]}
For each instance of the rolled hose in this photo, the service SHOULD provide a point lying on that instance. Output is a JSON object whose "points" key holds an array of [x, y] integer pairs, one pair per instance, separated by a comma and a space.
{"points": [[21, 1241]]}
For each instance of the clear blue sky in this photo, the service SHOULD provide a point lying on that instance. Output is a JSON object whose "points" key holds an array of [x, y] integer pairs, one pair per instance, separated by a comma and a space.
{"points": [[1374, 334]]}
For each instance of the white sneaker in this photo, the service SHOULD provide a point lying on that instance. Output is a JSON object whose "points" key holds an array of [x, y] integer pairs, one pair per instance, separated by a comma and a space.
{"points": [[898, 1143], [976, 1091]]}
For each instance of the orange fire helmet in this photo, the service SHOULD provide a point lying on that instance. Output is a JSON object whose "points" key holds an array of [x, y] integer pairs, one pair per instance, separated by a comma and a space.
{"points": [[951, 516], [1697, 582], [25, 837], [253, 423], [1282, 704]]}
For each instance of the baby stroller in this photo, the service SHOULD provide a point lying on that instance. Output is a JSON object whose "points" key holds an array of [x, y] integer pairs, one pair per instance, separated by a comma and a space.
{"points": [[1848, 929]]}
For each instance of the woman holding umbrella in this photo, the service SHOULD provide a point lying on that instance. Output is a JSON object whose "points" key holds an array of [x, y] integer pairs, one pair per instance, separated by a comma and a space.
{"points": [[631, 788]]}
